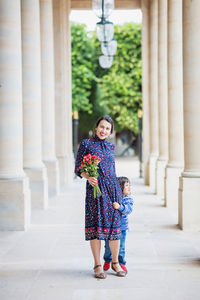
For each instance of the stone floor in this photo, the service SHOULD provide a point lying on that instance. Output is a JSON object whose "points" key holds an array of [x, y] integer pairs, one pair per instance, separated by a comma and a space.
{"points": [[52, 261]]}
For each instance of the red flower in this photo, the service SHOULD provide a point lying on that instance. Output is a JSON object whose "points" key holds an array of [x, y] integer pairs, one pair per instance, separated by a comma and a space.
{"points": [[89, 165], [87, 157]]}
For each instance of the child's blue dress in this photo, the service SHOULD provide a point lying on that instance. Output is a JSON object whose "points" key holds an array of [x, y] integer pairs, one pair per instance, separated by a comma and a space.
{"points": [[102, 221]]}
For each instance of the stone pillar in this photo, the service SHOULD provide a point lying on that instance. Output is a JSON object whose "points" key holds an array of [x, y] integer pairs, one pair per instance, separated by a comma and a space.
{"points": [[14, 184], [68, 89], [153, 88], [62, 49], [31, 75], [162, 96], [175, 104], [145, 88], [189, 194], [48, 96]]}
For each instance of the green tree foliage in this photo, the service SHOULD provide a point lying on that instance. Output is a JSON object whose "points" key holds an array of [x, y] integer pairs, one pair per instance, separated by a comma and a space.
{"points": [[116, 91], [121, 86], [83, 68]]}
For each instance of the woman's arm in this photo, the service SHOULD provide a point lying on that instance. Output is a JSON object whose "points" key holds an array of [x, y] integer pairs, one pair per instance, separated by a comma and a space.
{"points": [[79, 158]]}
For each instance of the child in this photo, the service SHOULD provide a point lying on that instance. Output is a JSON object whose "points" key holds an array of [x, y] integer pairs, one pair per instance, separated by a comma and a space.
{"points": [[125, 208]]}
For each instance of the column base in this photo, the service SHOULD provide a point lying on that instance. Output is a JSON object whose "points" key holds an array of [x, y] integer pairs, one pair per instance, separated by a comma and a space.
{"points": [[172, 175], [53, 177], [15, 204], [189, 204], [160, 177], [152, 172], [38, 186], [66, 172]]}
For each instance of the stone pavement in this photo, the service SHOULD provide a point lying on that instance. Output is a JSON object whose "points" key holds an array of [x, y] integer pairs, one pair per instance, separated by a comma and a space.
{"points": [[51, 261]]}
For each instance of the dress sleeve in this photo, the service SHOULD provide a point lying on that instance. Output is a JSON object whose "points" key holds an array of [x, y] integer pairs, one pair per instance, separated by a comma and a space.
{"points": [[113, 150], [80, 154]]}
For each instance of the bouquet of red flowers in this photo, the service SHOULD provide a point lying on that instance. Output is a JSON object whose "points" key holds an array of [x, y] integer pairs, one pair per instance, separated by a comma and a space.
{"points": [[89, 165]]}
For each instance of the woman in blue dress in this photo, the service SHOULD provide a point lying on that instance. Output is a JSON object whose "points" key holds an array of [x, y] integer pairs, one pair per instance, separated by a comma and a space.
{"points": [[102, 221]]}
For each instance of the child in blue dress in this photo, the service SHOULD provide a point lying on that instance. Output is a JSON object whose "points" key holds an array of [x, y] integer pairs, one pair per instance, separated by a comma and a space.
{"points": [[125, 208]]}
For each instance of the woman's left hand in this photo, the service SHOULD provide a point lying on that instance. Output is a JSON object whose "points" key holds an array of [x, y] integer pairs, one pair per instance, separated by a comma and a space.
{"points": [[93, 181], [116, 205]]}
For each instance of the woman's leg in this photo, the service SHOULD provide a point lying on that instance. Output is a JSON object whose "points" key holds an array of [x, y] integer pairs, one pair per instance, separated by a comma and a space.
{"points": [[96, 249], [114, 247]]}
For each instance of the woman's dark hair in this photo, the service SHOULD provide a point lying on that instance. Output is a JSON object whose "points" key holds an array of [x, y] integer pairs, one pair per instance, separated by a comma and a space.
{"points": [[122, 181], [106, 118]]}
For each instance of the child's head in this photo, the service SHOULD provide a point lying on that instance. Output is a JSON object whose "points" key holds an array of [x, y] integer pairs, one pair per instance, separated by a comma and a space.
{"points": [[125, 185]]}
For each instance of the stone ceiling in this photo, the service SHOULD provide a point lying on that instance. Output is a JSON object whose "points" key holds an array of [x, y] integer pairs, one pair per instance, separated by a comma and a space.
{"points": [[119, 4]]}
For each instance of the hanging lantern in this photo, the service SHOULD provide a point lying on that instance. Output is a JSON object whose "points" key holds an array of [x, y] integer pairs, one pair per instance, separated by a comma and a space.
{"points": [[105, 61], [103, 8], [105, 31], [109, 48]]}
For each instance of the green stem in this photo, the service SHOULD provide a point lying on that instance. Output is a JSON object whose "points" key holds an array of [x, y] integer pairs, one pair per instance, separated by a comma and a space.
{"points": [[97, 191]]}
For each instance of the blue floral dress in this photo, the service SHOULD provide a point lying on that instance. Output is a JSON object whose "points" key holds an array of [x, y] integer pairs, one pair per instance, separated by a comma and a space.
{"points": [[102, 221]]}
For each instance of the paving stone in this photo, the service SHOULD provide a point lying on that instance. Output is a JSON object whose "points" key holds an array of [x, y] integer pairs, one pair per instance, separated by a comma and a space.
{"points": [[52, 261]]}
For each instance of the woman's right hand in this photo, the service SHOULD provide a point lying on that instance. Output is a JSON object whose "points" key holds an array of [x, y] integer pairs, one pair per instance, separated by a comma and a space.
{"points": [[93, 181]]}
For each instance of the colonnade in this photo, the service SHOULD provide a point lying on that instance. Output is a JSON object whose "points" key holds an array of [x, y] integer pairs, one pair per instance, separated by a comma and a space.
{"points": [[171, 105], [36, 158], [35, 105]]}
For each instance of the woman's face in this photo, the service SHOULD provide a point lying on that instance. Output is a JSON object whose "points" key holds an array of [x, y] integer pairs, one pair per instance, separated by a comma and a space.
{"points": [[103, 130]]}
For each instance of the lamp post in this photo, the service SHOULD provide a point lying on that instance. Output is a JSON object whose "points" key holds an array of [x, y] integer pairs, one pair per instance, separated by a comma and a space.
{"points": [[140, 139], [75, 132], [102, 8], [105, 61], [105, 31], [109, 48]]}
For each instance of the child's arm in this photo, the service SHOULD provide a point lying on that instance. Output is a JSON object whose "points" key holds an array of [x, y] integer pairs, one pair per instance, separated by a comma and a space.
{"points": [[126, 207], [116, 205]]}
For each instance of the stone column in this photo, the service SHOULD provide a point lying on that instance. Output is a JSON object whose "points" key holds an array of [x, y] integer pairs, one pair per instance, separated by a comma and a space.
{"points": [[153, 87], [48, 96], [175, 104], [31, 75], [145, 88], [62, 49], [162, 96], [14, 184], [68, 89], [189, 194]]}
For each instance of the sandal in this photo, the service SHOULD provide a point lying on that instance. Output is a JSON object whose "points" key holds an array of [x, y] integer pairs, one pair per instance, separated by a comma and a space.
{"points": [[119, 273], [100, 275]]}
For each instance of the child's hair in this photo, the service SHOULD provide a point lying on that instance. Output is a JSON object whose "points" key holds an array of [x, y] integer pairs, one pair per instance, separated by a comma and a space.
{"points": [[122, 181]]}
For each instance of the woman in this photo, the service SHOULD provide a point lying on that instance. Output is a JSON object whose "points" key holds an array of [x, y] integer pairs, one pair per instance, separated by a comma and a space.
{"points": [[102, 221]]}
